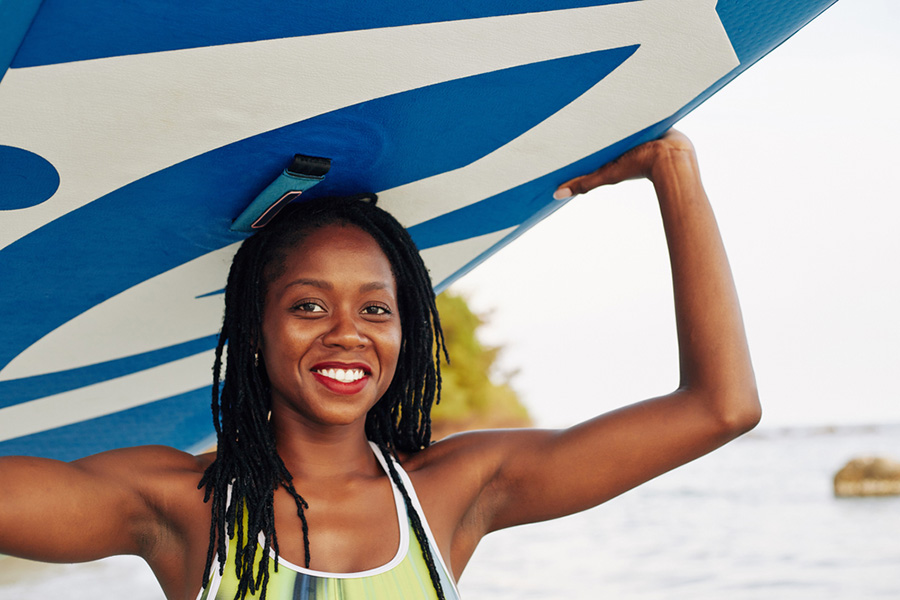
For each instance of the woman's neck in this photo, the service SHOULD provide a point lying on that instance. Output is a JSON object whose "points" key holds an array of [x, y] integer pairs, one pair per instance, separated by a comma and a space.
{"points": [[324, 452]]}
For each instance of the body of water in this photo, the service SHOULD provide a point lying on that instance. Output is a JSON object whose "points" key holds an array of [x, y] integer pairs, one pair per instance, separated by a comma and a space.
{"points": [[756, 519]]}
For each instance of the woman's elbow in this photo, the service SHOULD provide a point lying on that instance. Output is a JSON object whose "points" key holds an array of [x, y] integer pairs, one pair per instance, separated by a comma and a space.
{"points": [[741, 413]]}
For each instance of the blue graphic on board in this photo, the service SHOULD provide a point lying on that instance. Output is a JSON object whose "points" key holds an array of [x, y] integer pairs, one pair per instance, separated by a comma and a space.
{"points": [[116, 197], [26, 179]]}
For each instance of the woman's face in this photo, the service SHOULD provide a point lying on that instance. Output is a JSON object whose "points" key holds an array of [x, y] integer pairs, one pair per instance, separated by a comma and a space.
{"points": [[331, 331]]}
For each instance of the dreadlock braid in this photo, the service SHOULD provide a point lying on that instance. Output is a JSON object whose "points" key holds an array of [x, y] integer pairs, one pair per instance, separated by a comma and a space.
{"points": [[240, 484]]}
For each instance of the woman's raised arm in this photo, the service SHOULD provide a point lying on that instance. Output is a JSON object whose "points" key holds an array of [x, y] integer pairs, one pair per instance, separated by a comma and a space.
{"points": [[535, 475]]}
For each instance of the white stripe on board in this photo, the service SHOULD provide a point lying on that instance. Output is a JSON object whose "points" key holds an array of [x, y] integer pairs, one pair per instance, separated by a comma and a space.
{"points": [[157, 313], [106, 398], [444, 261]]}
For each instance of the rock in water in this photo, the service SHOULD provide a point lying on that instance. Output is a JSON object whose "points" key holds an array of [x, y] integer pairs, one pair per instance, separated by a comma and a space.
{"points": [[869, 476]]}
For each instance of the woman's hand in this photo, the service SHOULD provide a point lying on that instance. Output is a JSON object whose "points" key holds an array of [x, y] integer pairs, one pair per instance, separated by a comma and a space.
{"points": [[638, 163]]}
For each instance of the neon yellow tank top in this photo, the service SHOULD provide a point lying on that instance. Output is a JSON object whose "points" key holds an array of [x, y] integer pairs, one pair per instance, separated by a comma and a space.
{"points": [[405, 577]]}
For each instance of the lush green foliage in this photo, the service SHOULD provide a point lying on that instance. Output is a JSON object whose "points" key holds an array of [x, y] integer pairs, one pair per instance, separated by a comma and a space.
{"points": [[471, 396]]}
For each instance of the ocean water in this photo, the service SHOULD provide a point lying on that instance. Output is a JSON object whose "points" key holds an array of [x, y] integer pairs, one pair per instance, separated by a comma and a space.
{"points": [[756, 519]]}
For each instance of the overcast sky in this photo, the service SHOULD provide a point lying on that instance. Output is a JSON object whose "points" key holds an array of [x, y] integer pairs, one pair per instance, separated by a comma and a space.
{"points": [[799, 156]]}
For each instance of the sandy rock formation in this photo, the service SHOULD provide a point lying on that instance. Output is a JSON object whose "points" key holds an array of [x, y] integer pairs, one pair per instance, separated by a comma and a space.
{"points": [[869, 476]]}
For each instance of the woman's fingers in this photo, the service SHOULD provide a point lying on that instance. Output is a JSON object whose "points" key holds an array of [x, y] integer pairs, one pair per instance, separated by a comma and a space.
{"points": [[635, 164], [613, 172]]}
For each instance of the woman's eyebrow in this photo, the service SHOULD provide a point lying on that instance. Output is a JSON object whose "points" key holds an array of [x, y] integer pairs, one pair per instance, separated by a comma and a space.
{"points": [[374, 286], [325, 285]]}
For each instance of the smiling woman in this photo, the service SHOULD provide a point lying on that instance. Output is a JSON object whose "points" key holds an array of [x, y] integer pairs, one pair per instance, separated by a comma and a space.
{"points": [[322, 301], [323, 419]]}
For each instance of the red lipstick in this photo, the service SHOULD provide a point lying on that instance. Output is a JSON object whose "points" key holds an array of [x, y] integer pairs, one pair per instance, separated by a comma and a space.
{"points": [[340, 387]]}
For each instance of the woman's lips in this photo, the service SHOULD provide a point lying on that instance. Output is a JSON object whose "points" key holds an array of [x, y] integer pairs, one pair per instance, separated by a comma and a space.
{"points": [[342, 378], [341, 387]]}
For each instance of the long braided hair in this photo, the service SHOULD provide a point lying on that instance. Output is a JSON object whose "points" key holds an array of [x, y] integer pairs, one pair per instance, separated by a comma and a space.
{"points": [[247, 459]]}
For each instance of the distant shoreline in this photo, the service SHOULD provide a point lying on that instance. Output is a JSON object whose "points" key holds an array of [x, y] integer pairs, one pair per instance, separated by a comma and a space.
{"points": [[819, 430]]}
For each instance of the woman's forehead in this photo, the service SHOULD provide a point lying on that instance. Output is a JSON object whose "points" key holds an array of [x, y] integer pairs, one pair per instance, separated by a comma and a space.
{"points": [[338, 251], [336, 238]]}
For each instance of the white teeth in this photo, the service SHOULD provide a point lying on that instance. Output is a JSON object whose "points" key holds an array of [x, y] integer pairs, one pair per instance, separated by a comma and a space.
{"points": [[342, 375]]}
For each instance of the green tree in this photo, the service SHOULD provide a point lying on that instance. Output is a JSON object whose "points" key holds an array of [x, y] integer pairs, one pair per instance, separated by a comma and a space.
{"points": [[470, 397]]}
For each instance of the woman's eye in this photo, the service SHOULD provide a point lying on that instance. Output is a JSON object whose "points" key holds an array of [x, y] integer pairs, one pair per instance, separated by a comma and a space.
{"points": [[309, 307], [376, 309]]}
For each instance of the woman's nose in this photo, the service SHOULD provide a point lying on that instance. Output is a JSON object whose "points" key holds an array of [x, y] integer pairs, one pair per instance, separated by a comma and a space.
{"points": [[345, 332]]}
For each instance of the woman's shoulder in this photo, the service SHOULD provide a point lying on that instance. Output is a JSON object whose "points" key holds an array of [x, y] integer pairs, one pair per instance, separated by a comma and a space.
{"points": [[147, 461], [455, 478], [477, 452]]}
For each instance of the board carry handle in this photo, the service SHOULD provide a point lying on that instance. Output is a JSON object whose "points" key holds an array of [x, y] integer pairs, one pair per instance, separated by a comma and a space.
{"points": [[303, 173]]}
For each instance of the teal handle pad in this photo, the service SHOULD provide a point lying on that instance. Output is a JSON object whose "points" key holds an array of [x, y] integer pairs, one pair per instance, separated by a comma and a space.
{"points": [[304, 172]]}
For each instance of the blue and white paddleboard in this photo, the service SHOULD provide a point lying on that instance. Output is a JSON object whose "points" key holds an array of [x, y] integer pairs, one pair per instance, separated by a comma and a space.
{"points": [[133, 133]]}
